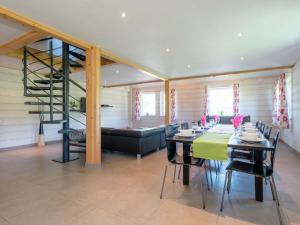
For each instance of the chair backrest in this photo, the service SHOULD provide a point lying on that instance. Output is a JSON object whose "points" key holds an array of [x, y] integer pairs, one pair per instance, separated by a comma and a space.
{"points": [[171, 146], [258, 123], [262, 127], [267, 132], [184, 125], [275, 143]]}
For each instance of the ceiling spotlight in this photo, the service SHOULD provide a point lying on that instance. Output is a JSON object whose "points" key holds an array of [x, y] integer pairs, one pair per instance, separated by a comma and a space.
{"points": [[188, 66], [242, 58], [117, 71], [123, 15], [240, 34], [168, 50]]}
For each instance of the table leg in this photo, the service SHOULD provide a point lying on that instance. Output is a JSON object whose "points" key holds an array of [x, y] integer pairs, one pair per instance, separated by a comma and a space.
{"points": [[187, 159], [258, 162]]}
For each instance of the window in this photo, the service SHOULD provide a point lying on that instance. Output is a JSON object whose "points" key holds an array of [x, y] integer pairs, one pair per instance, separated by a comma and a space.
{"points": [[162, 103], [148, 104], [220, 100]]}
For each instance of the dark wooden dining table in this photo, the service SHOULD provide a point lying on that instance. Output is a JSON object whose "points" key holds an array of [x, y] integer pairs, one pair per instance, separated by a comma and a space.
{"points": [[186, 142], [258, 151]]}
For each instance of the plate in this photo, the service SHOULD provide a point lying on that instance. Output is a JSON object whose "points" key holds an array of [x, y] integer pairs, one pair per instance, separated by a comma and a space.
{"points": [[251, 139], [185, 135]]}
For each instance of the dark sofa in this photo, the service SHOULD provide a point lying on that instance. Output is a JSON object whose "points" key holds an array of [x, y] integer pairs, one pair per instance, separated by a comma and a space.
{"points": [[133, 141], [227, 119]]}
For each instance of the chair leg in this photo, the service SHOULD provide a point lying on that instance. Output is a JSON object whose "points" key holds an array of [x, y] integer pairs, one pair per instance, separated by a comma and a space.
{"points": [[206, 176], [211, 181], [179, 171], [174, 174], [229, 182], [275, 190], [224, 190], [276, 199], [163, 183], [202, 191], [216, 169], [272, 190]]}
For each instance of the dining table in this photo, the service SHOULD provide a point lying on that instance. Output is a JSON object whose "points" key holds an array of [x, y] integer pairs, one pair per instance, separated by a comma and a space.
{"points": [[214, 143]]}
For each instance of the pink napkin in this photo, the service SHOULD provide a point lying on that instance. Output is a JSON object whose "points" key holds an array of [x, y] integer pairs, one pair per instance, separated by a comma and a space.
{"points": [[216, 118], [203, 120]]}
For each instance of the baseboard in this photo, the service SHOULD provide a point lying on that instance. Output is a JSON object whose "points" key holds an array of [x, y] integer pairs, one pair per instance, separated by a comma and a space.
{"points": [[27, 146]]}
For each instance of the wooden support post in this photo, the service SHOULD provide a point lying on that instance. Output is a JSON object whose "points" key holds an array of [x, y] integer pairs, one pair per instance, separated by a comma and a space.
{"points": [[93, 79], [167, 102]]}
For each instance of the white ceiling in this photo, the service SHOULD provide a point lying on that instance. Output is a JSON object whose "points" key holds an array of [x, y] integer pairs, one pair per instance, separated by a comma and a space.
{"points": [[201, 33]]}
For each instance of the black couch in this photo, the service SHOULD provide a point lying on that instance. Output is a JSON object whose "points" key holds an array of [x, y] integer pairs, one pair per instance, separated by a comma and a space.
{"points": [[133, 141], [227, 119]]}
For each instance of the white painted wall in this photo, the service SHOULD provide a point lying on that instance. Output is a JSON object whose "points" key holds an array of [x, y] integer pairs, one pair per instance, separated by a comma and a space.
{"points": [[292, 135], [17, 127], [256, 99], [255, 95]]}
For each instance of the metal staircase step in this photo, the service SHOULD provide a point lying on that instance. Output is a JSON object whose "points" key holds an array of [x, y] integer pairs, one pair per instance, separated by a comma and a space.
{"points": [[44, 112], [34, 88], [53, 121], [47, 81], [55, 76], [41, 103], [42, 95]]}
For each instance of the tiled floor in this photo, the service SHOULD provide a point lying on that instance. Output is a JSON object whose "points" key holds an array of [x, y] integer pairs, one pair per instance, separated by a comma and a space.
{"points": [[125, 191]]}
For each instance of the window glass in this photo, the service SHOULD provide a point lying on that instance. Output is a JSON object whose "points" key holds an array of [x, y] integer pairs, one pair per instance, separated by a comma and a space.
{"points": [[220, 101], [148, 104]]}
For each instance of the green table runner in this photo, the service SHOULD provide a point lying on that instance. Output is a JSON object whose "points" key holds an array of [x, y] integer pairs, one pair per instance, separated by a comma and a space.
{"points": [[211, 146]]}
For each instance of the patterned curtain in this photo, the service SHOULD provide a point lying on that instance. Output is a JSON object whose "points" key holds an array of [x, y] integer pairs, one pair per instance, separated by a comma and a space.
{"points": [[137, 105], [205, 101], [173, 105], [280, 111], [236, 99]]}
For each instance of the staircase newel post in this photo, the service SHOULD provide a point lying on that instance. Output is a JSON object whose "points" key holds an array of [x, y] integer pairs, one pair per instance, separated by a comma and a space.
{"points": [[51, 81], [25, 70], [66, 110]]}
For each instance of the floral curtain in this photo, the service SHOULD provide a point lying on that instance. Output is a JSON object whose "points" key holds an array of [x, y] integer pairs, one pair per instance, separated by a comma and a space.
{"points": [[205, 101], [137, 104], [236, 99], [280, 111], [173, 105]]}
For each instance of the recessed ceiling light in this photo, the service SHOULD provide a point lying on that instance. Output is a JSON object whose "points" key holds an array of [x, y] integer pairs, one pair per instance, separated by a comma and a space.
{"points": [[188, 66], [242, 58], [240, 34], [117, 71], [168, 50], [123, 15]]}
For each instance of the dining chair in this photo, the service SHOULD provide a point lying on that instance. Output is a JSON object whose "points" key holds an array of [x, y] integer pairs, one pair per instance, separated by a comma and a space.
{"points": [[262, 128], [184, 125], [267, 132], [258, 124], [175, 159], [249, 168]]}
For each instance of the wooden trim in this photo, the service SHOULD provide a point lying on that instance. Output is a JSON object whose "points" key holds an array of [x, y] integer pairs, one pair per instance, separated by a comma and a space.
{"points": [[143, 69], [131, 84], [93, 80], [21, 41], [167, 102], [26, 21], [233, 72]]}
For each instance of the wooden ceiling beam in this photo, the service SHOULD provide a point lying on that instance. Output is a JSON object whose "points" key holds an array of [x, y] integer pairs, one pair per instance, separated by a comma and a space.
{"points": [[143, 69], [233, 72], [131, 84], [21, 41], [34, 25]]}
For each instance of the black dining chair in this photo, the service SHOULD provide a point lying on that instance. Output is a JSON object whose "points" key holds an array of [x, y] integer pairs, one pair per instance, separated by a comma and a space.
{"points": [[267, 132], [175, 159], [184, 125], [262, 128], [249, 168], [258, 124]]}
